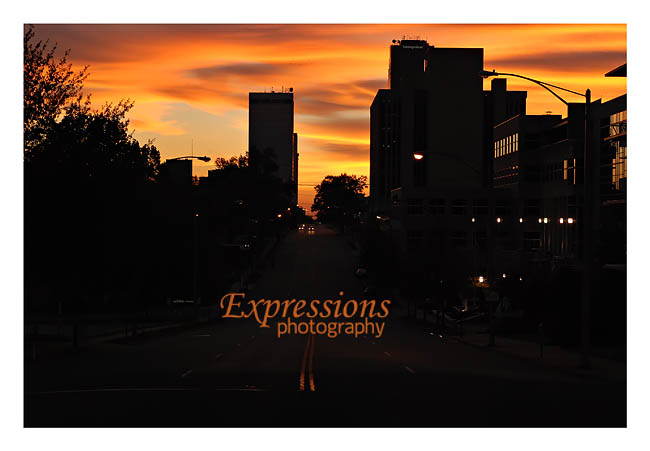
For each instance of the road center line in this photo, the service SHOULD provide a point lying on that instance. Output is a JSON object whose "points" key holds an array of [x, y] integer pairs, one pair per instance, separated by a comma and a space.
{"points": [[301, 384], [311, 367], [409, 370], [186, 373]]}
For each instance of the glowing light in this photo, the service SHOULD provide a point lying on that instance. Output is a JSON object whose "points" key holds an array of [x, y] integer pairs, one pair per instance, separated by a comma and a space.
{"points": [[418, 156], [570, 220], [539, 220], [279, 215], [561, 220], [499, 220], [473, 219], [545, 220], [521, 220], [481, 279], [504, 275]]}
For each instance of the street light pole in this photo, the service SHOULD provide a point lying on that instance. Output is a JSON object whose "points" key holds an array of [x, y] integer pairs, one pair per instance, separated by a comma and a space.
{"points": [[587, 211], [195, 262], [587, 250]]}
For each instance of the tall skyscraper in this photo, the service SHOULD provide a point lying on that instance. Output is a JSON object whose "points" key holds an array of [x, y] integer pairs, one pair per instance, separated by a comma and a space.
{"points": [[426, 130], [270, 133]]}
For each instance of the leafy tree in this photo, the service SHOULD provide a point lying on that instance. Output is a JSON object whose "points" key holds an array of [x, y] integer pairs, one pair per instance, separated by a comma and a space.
{"points": [[338, 198], [49, 84], [88, 189], [239, 162], [63, 133]]}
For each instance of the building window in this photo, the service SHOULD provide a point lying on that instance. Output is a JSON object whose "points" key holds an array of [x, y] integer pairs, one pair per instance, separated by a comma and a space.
{"points": [[480, 207], [459, 240], [502, 209], [516, 142], [437, 206], [619, 164], [481, 239], [532, 241], [618, 123], [414, 207], [532, 207], [414, 240], [458, 207]]}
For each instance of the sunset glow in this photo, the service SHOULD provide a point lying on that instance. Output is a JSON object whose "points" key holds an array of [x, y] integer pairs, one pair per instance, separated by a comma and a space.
{"points": [[190, 83]]}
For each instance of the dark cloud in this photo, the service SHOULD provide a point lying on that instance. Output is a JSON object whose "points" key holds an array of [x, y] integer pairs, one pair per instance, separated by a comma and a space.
{"points": [[342, 126], [203, 93], [337, 97], [99, 43], [344, 151], [562, 61], [255, 69]]}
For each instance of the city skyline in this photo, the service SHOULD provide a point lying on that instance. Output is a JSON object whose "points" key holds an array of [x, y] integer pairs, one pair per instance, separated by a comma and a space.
{"points": [[190, 83]]}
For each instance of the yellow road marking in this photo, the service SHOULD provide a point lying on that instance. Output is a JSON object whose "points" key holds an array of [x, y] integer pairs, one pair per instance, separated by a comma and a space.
{"points": [[311, 367], [304, 362]]}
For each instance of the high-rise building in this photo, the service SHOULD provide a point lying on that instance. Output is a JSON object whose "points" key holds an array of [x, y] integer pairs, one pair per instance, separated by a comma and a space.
{"points": [[427, 152], [271, 134]]}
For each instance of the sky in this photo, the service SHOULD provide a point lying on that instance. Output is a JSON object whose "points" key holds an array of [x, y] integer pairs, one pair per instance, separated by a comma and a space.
{"points": [[190, 83]]}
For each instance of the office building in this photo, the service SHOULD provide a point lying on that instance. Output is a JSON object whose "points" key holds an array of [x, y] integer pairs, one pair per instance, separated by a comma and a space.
{"points": [[271, 133]]}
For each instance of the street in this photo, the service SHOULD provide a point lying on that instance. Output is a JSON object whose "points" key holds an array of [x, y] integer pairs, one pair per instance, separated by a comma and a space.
{"points": [[231, 372]]}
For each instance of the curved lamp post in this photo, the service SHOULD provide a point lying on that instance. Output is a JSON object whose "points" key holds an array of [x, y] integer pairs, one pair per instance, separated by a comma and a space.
{"points": [[588, 186], [195, 262], [203, 158]]}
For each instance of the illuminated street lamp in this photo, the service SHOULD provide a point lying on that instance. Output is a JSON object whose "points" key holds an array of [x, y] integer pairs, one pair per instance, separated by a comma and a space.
{"points": [[418, 155]]}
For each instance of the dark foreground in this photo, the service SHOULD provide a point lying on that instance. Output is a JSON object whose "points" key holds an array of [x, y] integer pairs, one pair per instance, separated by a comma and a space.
{"points": [[232, 373]]}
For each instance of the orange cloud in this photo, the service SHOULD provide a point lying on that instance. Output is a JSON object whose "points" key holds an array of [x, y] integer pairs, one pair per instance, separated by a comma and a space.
{"points": [[191, 82]]}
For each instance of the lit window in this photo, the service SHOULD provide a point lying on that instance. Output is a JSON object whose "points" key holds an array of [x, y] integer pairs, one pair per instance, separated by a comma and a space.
{"points": [[516, 142]]}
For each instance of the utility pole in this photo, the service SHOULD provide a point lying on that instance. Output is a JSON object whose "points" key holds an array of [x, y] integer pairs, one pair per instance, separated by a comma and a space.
{"points": [[587, 242], [195, 264]]}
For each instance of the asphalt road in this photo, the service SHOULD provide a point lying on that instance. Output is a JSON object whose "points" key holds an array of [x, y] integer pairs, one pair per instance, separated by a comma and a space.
{"points": [[233, 373]]}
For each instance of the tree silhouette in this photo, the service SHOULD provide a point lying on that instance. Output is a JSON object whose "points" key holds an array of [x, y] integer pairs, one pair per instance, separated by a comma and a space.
{"points": [[239, 162], [89, 189], [49, 83], [338, 198]]}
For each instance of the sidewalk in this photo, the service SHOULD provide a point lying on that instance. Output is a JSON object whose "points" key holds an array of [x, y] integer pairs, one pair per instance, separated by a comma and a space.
{"points": [[549, 356]]}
